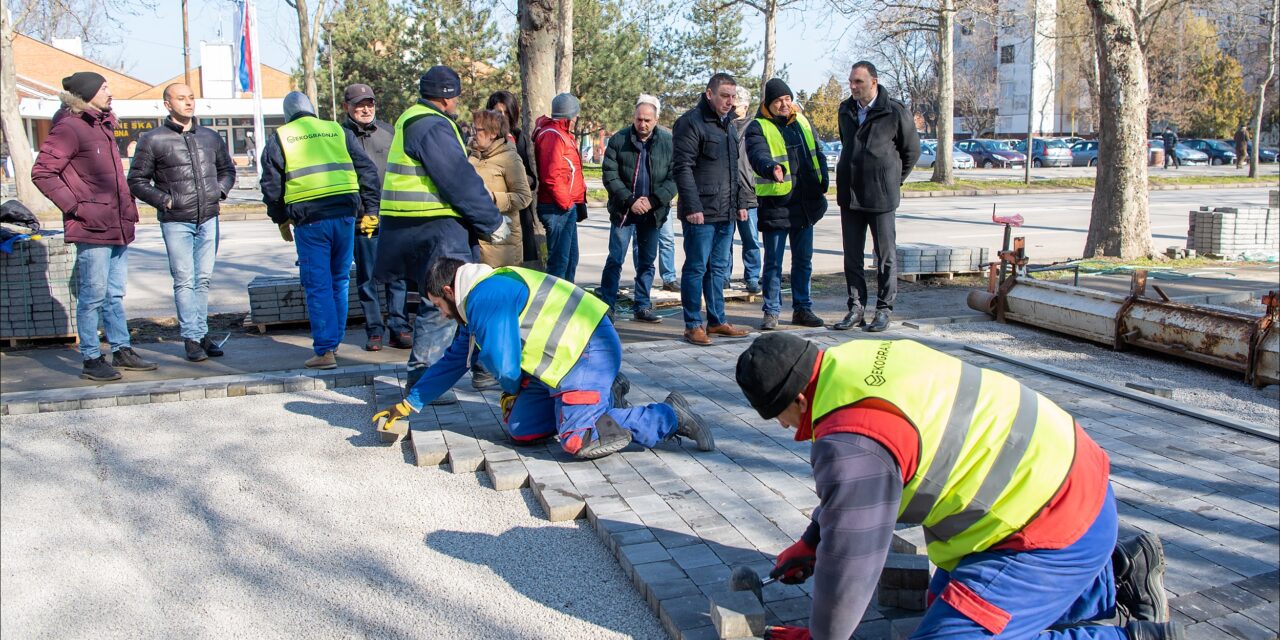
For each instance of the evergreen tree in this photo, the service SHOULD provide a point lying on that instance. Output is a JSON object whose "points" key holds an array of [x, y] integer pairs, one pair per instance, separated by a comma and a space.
{"points": [[714, 44], [463, 35], [823, 108], [610, 72], [366, 45]]}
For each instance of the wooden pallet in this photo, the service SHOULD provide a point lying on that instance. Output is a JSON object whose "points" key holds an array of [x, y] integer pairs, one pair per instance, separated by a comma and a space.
{"points": [[937, 275], [66, 338]]}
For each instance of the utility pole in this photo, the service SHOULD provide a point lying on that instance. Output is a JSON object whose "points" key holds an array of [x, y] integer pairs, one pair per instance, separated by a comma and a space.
{"points": [[333, 90], [186, 47], [1031, 97]]}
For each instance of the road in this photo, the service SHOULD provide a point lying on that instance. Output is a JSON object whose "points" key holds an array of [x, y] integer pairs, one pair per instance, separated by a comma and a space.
{"points": [[1055, 229]]}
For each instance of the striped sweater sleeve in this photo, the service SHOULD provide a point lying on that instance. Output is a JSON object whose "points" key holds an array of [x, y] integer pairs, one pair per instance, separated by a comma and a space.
{"points": [[859, 486]]}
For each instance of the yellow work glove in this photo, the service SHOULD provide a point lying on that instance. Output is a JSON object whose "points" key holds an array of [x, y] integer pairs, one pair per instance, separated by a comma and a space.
{"points": [[400, 410], [507, 403], [368, 224], [286, 232]]}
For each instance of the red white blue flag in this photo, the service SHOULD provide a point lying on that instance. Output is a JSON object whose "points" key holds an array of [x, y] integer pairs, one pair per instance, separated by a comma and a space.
{"points": [[244, 52]]}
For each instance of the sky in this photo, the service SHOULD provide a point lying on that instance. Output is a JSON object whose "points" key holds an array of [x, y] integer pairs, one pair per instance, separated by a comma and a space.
{"points": [[153, 40]]}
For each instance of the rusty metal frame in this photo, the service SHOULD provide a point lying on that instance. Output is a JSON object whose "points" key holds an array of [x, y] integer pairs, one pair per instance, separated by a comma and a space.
{"points": [[1263, 328]]}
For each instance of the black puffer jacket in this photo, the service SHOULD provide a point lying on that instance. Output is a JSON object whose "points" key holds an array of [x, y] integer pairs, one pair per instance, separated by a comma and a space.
{"points": [[705, 163], [877, 155], [183, 174]]}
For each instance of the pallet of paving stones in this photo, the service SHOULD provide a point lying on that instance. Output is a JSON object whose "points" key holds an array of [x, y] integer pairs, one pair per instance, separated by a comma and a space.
{"points": [[915, 260], [279, 301], [1232, 231], [38, 291], [736, 292]]}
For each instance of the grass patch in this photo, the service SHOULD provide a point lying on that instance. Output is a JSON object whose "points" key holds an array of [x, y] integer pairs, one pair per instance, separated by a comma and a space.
{"points": [[591, 171], [597, 195]]}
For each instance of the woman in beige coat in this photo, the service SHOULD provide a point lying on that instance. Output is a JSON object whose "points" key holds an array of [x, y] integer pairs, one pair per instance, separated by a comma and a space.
{"points": [[498, 164]]}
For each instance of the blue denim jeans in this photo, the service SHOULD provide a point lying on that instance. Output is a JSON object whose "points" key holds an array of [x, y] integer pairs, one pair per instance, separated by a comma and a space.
{"points": [[191, 250], [324, 263], [646, 252], [666, 251], [562, 240], [366, 253], [775, 245], [102, 271], [705, 272], [750, 239]]}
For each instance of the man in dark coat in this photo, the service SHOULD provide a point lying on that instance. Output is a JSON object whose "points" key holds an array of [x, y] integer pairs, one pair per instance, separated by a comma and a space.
{"points": [[1170, 140], [880, 149], [184, 170], [637, 176], [80, 171]]}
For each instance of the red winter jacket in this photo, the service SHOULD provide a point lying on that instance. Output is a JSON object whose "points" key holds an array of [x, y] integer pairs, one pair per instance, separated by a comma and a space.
{"points": [[79, 169], [560, 180]]}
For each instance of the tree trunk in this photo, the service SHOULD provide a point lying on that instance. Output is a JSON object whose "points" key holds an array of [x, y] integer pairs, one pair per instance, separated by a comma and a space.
{"points": [[564, 48], [1273, 50], [942, 169], [537, 52], [1120, 224], [306, 51], [770, 43], [14, 134]]}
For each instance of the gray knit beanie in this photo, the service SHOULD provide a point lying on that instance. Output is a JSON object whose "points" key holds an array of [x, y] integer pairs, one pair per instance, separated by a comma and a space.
{"points": [[565, 107]]}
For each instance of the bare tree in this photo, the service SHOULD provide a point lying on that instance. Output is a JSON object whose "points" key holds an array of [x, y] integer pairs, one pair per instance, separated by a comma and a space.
{"points": [[14, 134], [308, 42], [1273, 60], [977, 92], [770, 10], [537, 53], [564, 47]]}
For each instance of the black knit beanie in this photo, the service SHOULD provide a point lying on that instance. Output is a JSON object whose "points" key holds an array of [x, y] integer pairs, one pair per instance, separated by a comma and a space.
{"points": [[83, 84], [774, 370], [775, 89]]}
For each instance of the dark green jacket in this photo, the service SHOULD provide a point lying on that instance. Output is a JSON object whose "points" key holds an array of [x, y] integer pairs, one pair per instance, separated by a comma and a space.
{"points": [[619, 173]]}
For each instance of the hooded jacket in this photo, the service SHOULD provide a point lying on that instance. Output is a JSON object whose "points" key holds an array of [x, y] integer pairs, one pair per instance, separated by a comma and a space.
{"points": [[706, 168], [877, 156], [184, 174], [80, 171], [504, 176], [807, 202], [560, 180]]}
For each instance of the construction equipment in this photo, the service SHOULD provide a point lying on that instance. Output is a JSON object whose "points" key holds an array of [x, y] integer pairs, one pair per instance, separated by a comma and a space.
{"points": [[746, 579]]}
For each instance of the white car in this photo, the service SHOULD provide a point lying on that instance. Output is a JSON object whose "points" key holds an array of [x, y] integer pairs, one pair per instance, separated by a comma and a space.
{"points": [[929, 153]]}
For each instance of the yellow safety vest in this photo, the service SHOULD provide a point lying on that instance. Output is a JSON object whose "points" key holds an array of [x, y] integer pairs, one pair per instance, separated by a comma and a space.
{"points": [[778, 147], [993, 452], [407, 190], [555, 325], [316, 161]]}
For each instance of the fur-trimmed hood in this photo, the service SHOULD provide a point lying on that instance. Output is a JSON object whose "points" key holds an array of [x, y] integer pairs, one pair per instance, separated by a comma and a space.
{"points": [[73, 104]]}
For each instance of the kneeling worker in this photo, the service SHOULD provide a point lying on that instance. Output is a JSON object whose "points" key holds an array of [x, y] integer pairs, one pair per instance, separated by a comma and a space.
{"points": [[1014, 496], [556, 356]]}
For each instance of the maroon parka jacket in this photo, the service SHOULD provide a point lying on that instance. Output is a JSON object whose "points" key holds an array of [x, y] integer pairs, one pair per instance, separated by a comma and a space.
{"points": [[79, 169]]}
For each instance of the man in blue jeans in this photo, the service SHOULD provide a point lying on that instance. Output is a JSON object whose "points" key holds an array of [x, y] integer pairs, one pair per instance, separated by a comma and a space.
{"points": [[666, 256], [562, 190], [316, 177], [712, 194]]}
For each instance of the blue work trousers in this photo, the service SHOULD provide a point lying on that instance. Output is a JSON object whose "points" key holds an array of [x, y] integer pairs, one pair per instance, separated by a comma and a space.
{"points": [[775, 246], [571, 410], [324, 264], [705, 272], [1021, 594]]}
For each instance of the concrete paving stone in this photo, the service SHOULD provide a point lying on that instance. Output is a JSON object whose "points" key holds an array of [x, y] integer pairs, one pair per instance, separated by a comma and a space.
{"points": [[672, 532], [391, 432], [130, 400], [902, 628], [506, 475], [775, 591], [694, 556], [641, 553], [616, 523], [165, 396], [1267, 615], [656, 592], [630, 537], [1234, 597], [604, 505], [647, 504], [59, 405], [219, 391], [262, 388], [558, 500], [684, 613], [909, 540], [1240, 626], [737, 614], [1240, 562], [660, 571], [791, 608], [428, 446], [873, 630], [98, 403], [905, 571], [22, 408], [1266, 586], [1198, 607], [467, 458]]}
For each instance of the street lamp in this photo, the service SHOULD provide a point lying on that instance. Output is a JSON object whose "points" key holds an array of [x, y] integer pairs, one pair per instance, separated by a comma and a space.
{"points": [[333, 91]]}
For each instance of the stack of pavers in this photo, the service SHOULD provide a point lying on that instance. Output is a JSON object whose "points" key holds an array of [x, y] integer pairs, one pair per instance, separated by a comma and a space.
{"points": [[38, 290], [281, 299], [920, 258], [1230, 232]]}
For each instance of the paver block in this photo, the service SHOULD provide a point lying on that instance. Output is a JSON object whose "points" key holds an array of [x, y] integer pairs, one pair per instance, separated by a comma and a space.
{"points": [[392, 432], [686, 613], [905, 571], [506, 474], [429, 449], [909, 540], [737, 614], [558, 500], [465, 459]]}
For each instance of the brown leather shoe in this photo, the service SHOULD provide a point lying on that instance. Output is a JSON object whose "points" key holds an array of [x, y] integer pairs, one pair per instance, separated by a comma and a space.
{"points": [[697, 336], [727, 330]]}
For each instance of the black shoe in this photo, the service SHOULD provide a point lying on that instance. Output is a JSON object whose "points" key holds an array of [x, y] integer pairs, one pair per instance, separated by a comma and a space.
{"points": [[880, 323], [401, 340], [646, 315], [98, 369], [373, 343], [126, 358], [769, 323], [210, 348], [618, 392], [806, 318], [855, 318], [690, 425], [673, 286], [610, 437], [1139, 568], [1143, 630], [482, 380], [195, 352]]}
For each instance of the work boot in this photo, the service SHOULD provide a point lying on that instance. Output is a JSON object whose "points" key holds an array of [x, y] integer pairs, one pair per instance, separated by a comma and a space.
{"points": [[1138, 564], [806, 318], [688, 424], [727, 330], [753, 288], [618, 392], [880, 323], [698, 336], [327, 360], [609, 438], [646, 315], [401, 340], [98, 369], [373, 343], [126, 358], [673, 286], [855, 318], [1143, 630], [769, 323], [482, 380], [210, 347], [195, 352], [446, 398]]}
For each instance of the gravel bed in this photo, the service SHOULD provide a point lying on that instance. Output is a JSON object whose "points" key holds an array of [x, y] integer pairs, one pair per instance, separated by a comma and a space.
{"points": [[1192, 384], [280, 516]]}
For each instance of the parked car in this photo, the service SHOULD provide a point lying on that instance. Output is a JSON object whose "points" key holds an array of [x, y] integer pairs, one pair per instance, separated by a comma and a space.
{"points": [[989, 153], [929, 152], [1071, 140], [1186, 155], [1219, 152], [1265, 154], [1049, 152], [1084, 153], [832, 151]]}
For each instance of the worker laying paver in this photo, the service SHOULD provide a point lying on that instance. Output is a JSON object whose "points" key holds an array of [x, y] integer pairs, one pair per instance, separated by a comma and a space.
{"points": [[556, 356], [1014, 496]]}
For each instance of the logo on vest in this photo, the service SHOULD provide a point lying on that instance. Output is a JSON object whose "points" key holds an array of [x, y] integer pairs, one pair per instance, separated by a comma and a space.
{"points": [[877, 366], [309, 136]]}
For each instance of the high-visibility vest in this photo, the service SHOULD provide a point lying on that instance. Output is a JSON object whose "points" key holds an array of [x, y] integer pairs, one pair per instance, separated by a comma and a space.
{"points": [[778, 148], [316, 161], [407, 190], [555, 325], [993, 452]]}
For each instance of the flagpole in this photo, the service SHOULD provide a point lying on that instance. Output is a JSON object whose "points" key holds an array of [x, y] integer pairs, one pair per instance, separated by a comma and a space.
{"points": [[259, 134]]}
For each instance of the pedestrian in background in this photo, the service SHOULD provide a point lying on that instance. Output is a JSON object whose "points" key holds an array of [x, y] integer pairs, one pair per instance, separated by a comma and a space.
{"points": [[1170, 140], [1242, 146], [317, 179], [80, 171], [533, 236], [712, 199], [880, 149], [562, 190], [637, 175], [748, 230], [375, 137], [184, 170]]}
